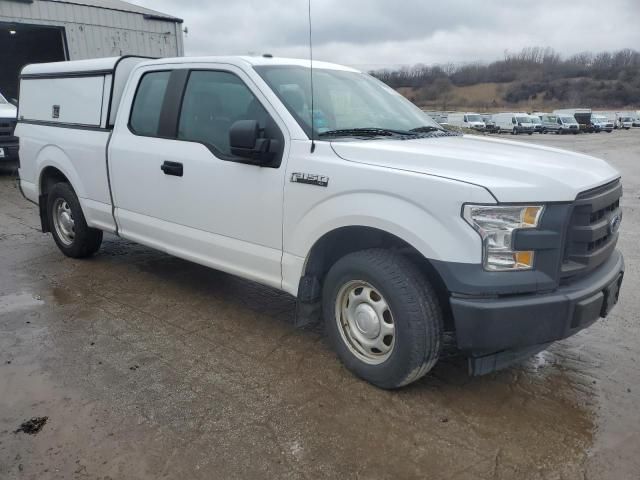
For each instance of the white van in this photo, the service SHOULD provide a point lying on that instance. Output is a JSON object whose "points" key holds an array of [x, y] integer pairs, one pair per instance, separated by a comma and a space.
{"points": [[537, 123], [567, 124], [514, 123], [467, 120], [398, 232]]}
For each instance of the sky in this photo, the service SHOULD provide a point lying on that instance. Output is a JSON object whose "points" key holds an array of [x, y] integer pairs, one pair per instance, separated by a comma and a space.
{"points": [[372, 34]]}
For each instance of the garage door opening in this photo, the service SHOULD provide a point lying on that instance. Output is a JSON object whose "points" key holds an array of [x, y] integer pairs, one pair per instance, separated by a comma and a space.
{"points": [[22, 44]]}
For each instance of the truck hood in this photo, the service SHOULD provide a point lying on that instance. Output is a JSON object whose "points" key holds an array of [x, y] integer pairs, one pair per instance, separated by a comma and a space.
{"points": [[512, 171], [8, 111]]}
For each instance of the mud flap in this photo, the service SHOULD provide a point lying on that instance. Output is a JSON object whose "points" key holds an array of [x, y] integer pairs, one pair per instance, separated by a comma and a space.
{"points": [[309, 304], [44, 219], [307, 314]]}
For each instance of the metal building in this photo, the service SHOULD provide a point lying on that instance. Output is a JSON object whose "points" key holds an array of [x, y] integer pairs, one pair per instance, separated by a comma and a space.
{"points": [[51, 30]]}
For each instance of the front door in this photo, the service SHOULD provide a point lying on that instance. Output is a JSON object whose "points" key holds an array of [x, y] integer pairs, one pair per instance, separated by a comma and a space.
{"points": [[176, 185]]}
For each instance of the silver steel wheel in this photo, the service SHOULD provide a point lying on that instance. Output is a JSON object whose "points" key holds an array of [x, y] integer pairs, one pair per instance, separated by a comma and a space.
{"points": [[365, 322], [63, 221]]}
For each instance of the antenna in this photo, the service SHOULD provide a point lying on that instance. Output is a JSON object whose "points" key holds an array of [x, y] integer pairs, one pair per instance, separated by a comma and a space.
{"points": [[313, 143]]}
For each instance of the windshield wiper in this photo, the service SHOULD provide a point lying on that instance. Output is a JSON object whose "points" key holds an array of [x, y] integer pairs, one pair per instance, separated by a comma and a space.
{"points": [[424, 129], [365, 132]]}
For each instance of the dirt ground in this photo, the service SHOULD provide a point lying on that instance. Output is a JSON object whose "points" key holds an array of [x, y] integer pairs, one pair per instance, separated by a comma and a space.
{"points": [[148, 366]]}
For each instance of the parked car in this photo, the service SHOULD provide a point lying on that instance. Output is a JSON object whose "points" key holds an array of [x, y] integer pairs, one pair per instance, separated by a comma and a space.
{"points": [[490, 124], [466, 120], [549, 123], [8, 141], [439, 117], [602, 123], [567, 124], [514, 123], [366, 210], [537, 123], [582, 117], [624, 122]]}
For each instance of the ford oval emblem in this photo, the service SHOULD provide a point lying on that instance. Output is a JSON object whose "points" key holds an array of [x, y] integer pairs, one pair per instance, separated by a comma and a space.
{"points": [[614, 224]]}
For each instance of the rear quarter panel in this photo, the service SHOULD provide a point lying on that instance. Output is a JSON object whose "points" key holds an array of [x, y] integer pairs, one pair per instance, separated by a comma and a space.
{"points": [[79, 155]]}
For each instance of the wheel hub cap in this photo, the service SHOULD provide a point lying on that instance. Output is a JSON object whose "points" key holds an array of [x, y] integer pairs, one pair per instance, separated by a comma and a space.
{"points": [[365, 322], [63, 221]]}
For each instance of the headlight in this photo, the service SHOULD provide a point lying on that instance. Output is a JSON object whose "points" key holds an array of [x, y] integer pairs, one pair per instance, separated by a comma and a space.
{"points": [[496, 225]]}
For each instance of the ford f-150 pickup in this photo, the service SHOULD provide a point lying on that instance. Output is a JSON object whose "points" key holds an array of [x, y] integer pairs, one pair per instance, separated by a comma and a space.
{"points": [[345, 195]]}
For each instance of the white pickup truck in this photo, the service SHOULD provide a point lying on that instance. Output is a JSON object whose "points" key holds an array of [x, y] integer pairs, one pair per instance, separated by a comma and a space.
{"points": [[402, 234], [8, 142]]}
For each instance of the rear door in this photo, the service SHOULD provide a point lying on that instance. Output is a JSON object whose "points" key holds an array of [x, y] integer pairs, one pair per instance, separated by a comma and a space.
{"points": [[176, 185]]}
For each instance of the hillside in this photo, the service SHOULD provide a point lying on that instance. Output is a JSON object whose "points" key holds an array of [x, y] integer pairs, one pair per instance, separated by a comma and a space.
{"points": [[535, 79]]}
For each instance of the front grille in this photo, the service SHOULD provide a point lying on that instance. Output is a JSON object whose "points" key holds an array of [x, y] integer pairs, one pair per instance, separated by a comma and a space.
{"points": [[592, 233], [7, 126]]}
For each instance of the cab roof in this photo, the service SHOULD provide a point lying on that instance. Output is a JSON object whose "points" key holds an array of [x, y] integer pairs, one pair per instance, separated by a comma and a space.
{"points": [[257, 60], [102, 65]]}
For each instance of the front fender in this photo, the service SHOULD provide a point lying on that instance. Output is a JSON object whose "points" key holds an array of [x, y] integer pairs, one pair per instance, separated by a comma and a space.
{"points": [[438, 231], [441, 235]]}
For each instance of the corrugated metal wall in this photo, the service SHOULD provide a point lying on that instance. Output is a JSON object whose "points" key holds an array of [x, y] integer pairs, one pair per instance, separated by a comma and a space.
{"points": [[97, 32]]}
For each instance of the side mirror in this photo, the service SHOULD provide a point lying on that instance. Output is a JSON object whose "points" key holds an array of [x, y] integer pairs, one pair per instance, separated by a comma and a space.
{"points": [[246, 141], [13, 101]]}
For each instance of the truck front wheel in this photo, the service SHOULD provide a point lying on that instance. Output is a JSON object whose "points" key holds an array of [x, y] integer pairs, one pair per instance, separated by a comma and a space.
{"points": [[382, 317], [67, 223]]}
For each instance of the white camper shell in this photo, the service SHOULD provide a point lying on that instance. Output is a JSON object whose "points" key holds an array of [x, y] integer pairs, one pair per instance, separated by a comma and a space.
{"points": [[85, 93]]}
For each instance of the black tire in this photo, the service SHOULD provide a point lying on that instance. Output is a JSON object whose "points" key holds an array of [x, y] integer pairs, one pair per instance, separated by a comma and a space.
{"points": [[414, 306], [86, 241]]}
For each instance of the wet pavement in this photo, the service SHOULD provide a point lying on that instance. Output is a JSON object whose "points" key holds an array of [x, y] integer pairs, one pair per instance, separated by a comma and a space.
{"points": [[148, 366]]}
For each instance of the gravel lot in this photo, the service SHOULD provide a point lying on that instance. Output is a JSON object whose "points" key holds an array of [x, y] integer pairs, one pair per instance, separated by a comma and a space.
{"points": [[148, 366]]}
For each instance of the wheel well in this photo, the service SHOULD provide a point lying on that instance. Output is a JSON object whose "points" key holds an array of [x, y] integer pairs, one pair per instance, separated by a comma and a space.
{"points": [[342, 241], [48, 178]]}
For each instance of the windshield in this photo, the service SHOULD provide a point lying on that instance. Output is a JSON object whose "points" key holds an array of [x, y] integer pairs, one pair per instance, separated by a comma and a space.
{"points": [[626, 119], [474, 118], [568, 120], [343, 100], [535, 120], [523, 119], [3, 100]]}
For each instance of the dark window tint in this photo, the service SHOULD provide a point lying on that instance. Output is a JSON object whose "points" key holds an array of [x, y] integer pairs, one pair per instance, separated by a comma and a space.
{"points": [[213, 101], [145, 115]]}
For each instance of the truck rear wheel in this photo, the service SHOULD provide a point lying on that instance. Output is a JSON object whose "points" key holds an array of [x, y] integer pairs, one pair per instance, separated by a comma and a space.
{"points": [[67, 223], [382, 317]]}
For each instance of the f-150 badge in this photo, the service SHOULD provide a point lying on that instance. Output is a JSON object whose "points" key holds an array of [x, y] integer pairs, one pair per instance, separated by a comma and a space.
{"points": [[310, 179]]}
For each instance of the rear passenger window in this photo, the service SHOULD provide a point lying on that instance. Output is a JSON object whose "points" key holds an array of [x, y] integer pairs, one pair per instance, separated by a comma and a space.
{"points": [[145, 115], [212, 102]]}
